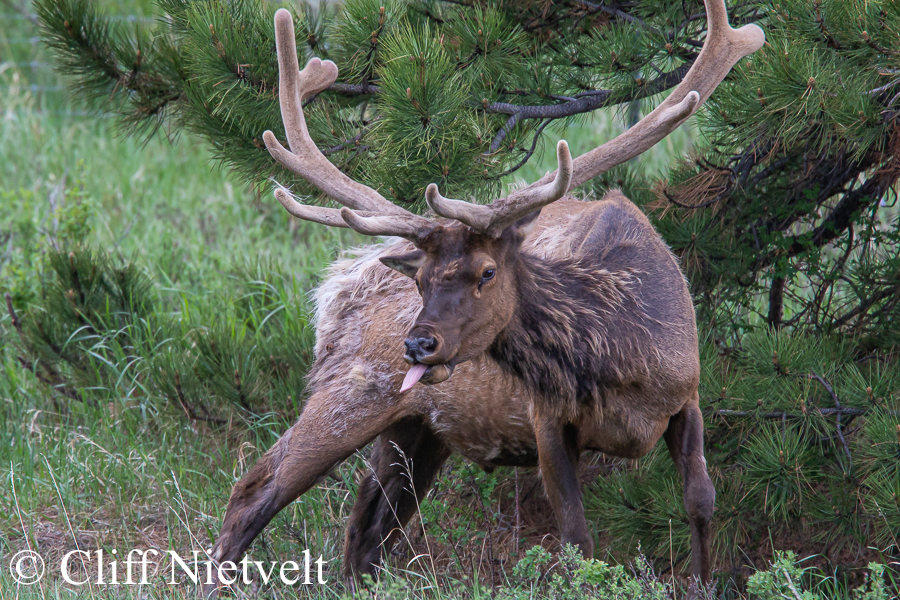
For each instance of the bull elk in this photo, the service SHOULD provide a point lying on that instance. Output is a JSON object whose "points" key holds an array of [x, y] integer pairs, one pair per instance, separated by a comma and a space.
{"points": [[553, 326]]}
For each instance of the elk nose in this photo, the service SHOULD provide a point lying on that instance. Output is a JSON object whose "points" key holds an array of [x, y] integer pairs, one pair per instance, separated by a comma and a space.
{"points": [[418, 348]]}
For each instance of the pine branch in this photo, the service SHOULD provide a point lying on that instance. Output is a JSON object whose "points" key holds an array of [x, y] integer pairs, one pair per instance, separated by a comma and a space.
{"points": [[47, 374], [135, 71], [581, 104], [779, 415], [189, 411], [837, 404], [355, 89], [863, 307], [529, 153]]}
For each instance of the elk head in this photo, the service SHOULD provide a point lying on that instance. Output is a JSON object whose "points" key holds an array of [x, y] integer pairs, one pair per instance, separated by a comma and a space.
{"points": [[465, 267], [465, 274], [467, 283]]}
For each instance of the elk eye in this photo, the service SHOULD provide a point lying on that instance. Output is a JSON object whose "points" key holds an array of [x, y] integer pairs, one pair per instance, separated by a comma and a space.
{"points": [[487, 275]]}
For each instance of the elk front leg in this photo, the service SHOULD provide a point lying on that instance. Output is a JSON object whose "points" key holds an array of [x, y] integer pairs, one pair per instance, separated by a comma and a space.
{"points": [[558, 458], [314, 445], [387, 499], [684, 437]]}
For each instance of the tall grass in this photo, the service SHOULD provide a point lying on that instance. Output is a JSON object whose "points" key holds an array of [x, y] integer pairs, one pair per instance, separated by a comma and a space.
{"points": [[127, 473]]}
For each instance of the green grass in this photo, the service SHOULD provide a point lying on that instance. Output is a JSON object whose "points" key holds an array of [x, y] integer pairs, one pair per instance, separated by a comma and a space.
{"points": [[131, 472]]}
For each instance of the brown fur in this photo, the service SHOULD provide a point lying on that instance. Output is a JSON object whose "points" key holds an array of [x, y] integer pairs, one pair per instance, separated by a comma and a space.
{"points": [[629, 310]]}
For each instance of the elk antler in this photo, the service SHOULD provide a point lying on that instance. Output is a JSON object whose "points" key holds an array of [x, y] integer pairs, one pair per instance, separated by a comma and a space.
{"points": [[305, 159], [481, 217], [723, 47]]}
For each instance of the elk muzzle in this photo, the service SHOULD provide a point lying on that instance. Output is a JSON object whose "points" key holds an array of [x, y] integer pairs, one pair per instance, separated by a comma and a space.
{"points": [[426, 353], [418, 349]]}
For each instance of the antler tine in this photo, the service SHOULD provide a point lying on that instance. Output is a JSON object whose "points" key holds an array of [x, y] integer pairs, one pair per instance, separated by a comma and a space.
{"points": [[304, 158], [475, 216], [316, 214], [412, 227], [495, 218], [723, 47]]}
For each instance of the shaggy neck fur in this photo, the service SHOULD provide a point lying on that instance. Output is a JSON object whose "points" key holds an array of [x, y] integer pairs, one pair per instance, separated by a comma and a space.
{"points": [[576, 331]]}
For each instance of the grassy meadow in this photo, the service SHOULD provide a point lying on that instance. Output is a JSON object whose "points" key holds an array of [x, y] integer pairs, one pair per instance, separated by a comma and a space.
{"points": [[129, 468]]}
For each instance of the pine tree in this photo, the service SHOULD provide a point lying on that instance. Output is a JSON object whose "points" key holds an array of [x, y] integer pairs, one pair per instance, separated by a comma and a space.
{"points": [[784, 218], [430, 91], [791, 196]]}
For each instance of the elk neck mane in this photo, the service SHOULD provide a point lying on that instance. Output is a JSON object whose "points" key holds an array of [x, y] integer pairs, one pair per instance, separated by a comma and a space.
{"points": [[356, 289], [579, 330]]}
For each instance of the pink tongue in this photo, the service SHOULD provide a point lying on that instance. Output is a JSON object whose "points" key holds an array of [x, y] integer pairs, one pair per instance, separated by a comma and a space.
{"points": [[412, 376]]}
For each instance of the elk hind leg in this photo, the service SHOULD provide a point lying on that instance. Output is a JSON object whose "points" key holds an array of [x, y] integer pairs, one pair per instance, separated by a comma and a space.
{"points": [[684, 437], [386, 500]]}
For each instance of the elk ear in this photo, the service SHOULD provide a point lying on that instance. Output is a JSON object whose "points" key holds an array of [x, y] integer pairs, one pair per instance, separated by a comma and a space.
{"points": [[521, 228], [408, 264]]}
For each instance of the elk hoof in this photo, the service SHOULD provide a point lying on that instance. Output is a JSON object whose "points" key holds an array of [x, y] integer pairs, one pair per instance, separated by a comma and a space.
{"points": [[209, 589], [208, 592]]}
